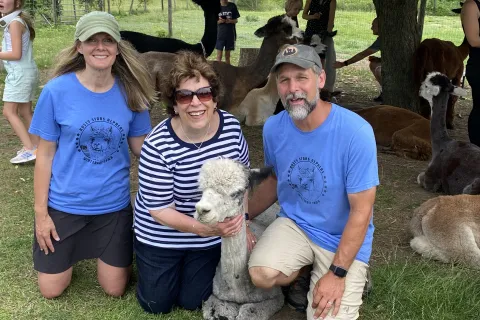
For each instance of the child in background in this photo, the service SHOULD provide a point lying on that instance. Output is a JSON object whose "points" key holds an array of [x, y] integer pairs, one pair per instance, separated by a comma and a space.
{"points": [[22, 75], [226, 33]]}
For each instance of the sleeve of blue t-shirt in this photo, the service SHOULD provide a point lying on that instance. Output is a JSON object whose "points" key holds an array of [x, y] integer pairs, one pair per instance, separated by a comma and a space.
{"points": [[140, 124], [43, 122], [269, 157], [235, 13], [155, 179], [375, 45], [362, 166]]}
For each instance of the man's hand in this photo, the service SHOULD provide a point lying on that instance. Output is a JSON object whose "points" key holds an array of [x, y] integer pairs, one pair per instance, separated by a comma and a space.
{"points": [[327, 294], [251, 240]]}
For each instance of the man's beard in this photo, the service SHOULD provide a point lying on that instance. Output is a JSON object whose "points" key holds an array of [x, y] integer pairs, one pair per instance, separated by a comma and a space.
{"points": [[300, 112]]}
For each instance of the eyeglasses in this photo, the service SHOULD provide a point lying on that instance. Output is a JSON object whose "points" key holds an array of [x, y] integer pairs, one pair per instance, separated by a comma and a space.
{"points": [[185, 96]]}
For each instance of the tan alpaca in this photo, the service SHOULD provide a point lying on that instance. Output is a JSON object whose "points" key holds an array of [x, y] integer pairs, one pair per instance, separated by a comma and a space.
{"points": [[400, 131], [447, 228]]}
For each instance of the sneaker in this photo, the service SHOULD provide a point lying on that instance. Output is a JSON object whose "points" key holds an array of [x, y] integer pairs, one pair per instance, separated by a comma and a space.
{"points": [[379, 98], [296, 296], [21, 150], [24, 156]]}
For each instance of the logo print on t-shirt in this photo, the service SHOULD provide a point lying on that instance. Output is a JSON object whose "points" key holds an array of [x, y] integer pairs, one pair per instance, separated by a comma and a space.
{"points": [[308, 179], [99, 139]]}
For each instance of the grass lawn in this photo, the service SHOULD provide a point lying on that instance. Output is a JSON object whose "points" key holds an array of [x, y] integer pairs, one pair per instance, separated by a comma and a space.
{"points": [[405, 287]]}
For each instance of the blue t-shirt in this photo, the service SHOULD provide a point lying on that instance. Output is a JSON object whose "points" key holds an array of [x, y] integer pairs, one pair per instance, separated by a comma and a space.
{"points": [[376, 45], [317, 170], [91, 166]]}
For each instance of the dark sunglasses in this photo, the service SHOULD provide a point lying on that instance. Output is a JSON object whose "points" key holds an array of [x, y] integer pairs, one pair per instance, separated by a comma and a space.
{"points": [[185, 96]]}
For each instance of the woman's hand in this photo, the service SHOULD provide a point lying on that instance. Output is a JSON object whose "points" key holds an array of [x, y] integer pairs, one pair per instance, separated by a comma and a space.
{"points": [[227, 228], [45, 231], [338, 64], [316, 15], [251, 239]]}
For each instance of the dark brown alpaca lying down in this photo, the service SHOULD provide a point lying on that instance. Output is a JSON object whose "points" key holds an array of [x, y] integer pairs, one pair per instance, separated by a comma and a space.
{"points": [[400, 131]]}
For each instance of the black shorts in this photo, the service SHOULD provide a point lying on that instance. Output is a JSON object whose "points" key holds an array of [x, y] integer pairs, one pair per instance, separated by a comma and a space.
{"points": [[108, 237], [225, 42]]}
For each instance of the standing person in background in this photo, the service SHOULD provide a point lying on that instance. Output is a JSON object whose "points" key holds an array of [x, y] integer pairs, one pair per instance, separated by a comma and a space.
{"points": [[320, 16], [471, 26], [293, 8], [22, 75], [88, 117], [375, 63], [226, 34]]}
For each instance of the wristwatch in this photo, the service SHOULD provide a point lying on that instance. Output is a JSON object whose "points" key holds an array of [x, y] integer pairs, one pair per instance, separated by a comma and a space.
{"points": [[338, 271]]}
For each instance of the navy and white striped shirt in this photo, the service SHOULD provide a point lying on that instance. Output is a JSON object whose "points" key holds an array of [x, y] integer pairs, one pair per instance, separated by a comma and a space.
{"points": [[168, 174]]}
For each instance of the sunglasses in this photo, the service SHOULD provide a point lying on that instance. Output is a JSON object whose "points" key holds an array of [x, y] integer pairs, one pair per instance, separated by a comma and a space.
{"points": [[185, 96]]}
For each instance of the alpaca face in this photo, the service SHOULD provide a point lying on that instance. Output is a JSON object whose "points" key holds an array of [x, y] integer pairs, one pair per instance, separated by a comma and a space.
{"points": [[223, 183], [281, 27], [317, 44]]}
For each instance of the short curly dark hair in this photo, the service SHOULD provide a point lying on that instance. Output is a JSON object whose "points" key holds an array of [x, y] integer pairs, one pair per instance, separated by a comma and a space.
{"points": [[186, 65]]}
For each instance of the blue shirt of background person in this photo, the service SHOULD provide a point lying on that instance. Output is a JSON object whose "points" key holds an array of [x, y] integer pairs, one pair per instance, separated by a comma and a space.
{"points": [[226, 32], [313, 182], [91, 137]]}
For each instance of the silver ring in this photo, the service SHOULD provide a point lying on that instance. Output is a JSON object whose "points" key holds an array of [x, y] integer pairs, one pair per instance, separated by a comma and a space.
{"points": [[330, 302], [253, 241]]}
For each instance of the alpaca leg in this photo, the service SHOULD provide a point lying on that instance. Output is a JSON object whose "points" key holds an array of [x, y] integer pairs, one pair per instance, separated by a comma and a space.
{"points": [[429, 180], [216, 309], [423, 246], [263, 310]]}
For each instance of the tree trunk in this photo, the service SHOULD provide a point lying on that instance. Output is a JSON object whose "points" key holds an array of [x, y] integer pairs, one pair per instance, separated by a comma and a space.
{"points": [[399, 33], [247, 56], [170, 18]]}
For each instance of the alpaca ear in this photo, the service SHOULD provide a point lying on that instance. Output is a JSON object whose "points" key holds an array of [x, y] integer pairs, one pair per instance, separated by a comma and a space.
{"points": [[261, 32], [258, 175]]}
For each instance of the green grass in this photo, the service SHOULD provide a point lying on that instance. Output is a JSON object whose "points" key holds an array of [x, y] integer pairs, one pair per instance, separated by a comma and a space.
{"points": [[411, 289]]}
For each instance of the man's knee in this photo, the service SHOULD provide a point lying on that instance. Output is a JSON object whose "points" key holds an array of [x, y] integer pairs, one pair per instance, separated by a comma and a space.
{"points": [[263, 277]]}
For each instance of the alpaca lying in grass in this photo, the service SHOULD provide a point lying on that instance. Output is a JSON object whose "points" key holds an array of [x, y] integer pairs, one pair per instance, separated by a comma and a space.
{"points": [[224, 183], [398, 130], [447, 228], [455, 165]]}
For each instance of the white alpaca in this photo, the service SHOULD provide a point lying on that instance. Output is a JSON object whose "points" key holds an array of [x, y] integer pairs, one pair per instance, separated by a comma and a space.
{"points": [[447, 228], [224, 183]]}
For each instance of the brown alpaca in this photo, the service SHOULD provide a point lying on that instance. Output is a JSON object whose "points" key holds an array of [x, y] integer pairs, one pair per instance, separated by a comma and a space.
{"points": [[447, 228], [444, 57], [400, 131]]}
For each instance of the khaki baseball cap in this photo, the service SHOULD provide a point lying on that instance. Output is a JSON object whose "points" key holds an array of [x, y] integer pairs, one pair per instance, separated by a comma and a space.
{"points": [[97, 22], [298, 54]]}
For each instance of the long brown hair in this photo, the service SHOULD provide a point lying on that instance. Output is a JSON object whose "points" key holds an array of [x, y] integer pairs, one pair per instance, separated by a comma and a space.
{"points": [[137, 85], [26, 17]]}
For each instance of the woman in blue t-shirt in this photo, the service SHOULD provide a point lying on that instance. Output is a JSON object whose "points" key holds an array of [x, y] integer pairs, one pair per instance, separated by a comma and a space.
{"points": [[88, 117]]}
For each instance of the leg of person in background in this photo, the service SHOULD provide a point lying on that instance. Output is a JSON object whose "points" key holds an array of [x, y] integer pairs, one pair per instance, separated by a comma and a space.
{"points": [[376, 69], [330, 58], [25, 111], [27, 153], [473, 77], [227, 56], [219, 55]]}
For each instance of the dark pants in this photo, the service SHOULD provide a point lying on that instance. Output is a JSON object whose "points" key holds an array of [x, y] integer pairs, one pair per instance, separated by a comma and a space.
{"points": [[168, 277], [473, 77]]}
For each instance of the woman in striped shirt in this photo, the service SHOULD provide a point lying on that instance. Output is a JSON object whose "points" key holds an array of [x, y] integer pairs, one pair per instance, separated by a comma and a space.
{"points": [[176, 255]]}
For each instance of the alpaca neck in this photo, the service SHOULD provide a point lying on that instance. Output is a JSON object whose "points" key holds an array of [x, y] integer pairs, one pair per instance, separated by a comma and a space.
{"points": [[464, 49], [210, 32], [260, 69], [438, 129], [234, 254]]}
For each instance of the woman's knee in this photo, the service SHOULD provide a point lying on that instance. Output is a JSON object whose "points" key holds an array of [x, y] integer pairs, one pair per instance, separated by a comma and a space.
{"points": [[155, 303], [53, 285]]}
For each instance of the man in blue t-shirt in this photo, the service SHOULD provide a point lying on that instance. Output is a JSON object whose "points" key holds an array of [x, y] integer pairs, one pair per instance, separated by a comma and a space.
{"points": [[226, 33], [375, 63], [325, 177]]}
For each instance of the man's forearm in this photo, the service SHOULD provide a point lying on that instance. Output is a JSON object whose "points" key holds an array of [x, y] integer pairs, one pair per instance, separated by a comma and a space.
{"points": [[352, 239], [262, 197]]}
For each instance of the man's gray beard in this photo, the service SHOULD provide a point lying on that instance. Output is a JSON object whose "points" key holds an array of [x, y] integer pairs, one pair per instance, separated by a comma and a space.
{"points": [[300, 112]]}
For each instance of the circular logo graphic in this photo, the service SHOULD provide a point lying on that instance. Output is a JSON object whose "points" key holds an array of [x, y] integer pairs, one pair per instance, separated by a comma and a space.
{"points": [[99, 140], [307, 178]]}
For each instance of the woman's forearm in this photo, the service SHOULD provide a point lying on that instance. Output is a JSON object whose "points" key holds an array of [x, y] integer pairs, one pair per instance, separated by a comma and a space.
{"points": [[179, 221], [41, 183]]}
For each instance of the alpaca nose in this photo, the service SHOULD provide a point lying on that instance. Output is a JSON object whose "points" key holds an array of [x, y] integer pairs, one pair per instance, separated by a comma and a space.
{"points": [[202, 209]]}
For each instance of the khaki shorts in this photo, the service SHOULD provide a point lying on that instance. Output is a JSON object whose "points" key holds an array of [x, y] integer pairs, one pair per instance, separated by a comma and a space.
{"points": [[286, 248]]}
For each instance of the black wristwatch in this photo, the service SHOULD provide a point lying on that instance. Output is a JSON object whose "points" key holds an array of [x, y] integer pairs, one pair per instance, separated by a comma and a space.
{"points": [[338, 271]]}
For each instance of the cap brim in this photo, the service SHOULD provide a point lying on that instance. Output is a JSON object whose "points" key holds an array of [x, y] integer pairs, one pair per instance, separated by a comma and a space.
{"points": [[305, 64], [99, 29]]}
